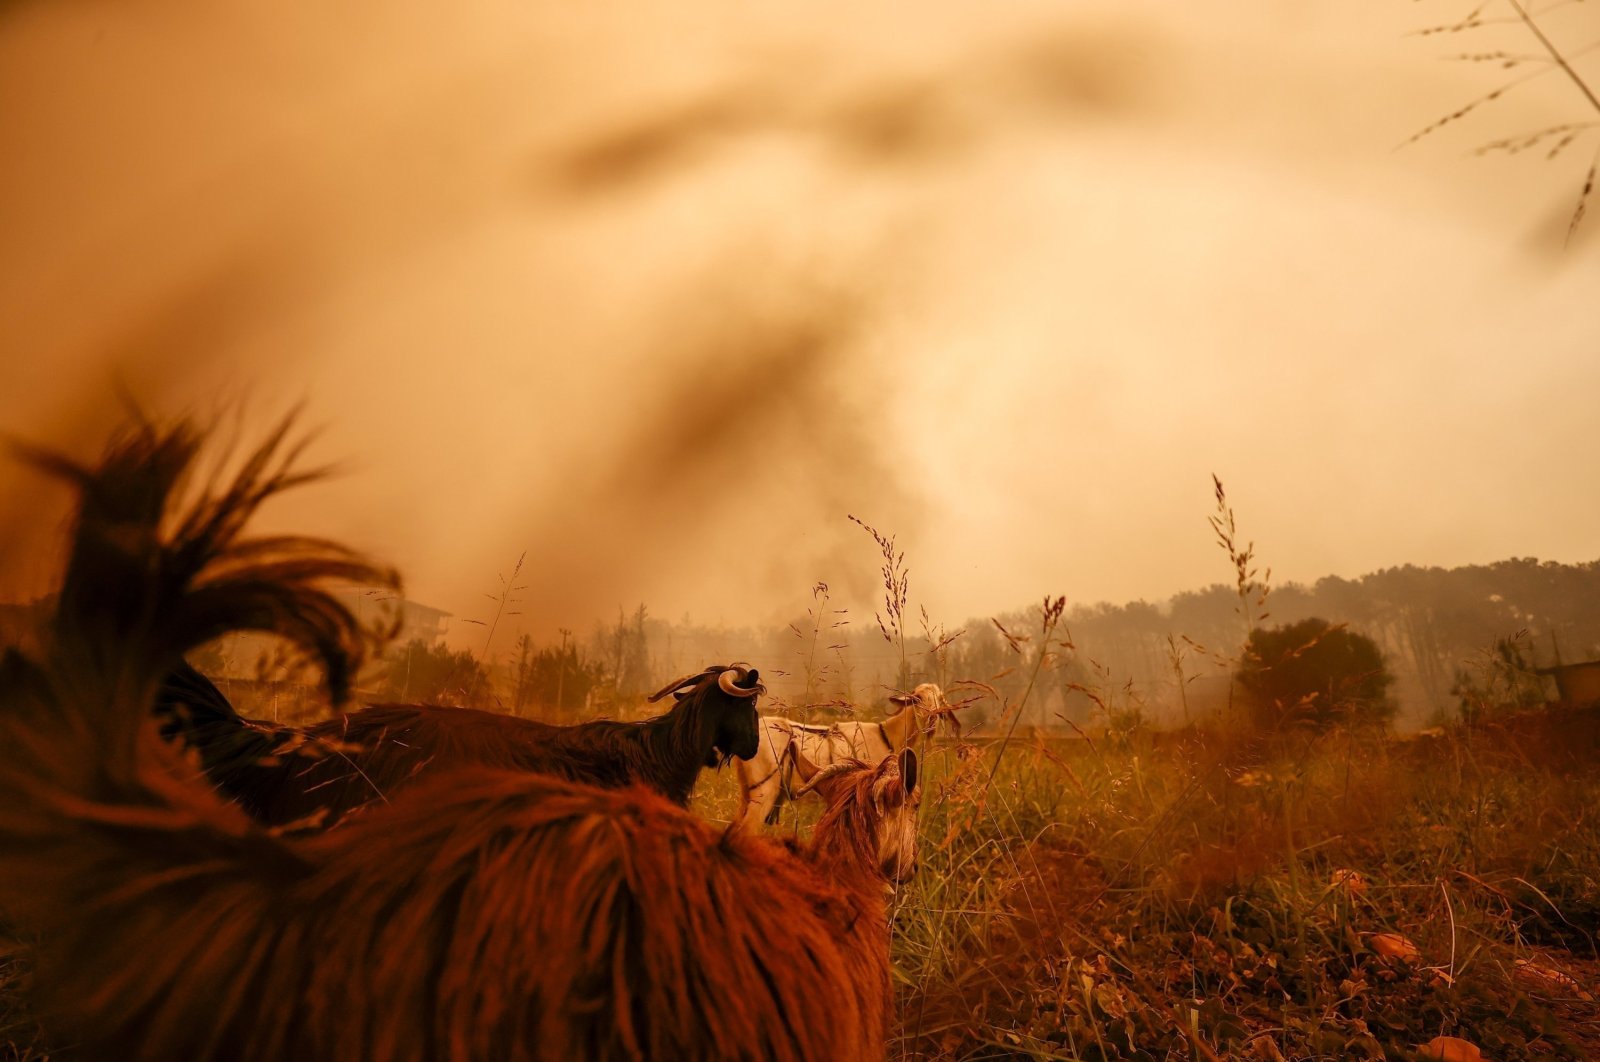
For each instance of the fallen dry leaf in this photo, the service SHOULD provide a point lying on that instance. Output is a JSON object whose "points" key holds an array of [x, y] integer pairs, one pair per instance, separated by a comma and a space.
{"points": [[1538, 976], [1265, 1049], [1394, 946], [1451, 1049]]}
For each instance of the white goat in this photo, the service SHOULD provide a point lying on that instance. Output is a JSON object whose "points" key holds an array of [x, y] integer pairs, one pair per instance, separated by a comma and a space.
{"points": [[767, 779]]}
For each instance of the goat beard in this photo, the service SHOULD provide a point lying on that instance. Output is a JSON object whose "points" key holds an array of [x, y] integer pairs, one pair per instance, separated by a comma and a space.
{"points": [[717, 759]]}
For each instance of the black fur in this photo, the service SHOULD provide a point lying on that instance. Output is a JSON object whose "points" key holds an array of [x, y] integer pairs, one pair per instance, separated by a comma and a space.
{"points": [[312, 777]]}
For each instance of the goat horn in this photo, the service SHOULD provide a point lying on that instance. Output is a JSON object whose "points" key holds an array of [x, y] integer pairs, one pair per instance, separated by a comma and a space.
{"points": [[677, 684], [832, 770], [729, 679]]}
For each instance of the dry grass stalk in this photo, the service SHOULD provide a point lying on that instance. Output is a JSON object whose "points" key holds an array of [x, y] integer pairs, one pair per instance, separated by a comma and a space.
{"points": [[1554, 58]]}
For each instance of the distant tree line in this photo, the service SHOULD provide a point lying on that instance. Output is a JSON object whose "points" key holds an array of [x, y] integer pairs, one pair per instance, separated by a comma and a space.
{"points": [[1448, 641], [1429, 624]]}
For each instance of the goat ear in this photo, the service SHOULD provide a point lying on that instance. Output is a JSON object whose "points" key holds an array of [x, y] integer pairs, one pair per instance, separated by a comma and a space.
{"points": [[904, 700], [908, 770], [895, 780]]}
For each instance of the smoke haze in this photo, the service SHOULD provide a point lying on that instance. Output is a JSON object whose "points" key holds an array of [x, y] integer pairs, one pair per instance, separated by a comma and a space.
{"points": [[660, 294]]}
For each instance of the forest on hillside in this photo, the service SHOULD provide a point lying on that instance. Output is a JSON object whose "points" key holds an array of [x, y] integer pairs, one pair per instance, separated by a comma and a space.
{"points": [[1165, 662], [1434, 626]]}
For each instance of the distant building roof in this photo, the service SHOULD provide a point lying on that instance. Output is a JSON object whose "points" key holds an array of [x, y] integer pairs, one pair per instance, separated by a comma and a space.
{"points": [[1576, 684], [1557, 669]]}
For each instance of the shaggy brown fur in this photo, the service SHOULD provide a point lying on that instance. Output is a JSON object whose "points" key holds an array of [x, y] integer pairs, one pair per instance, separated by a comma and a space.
{"points": [[313, 776], [489, 916], [483, 915]]}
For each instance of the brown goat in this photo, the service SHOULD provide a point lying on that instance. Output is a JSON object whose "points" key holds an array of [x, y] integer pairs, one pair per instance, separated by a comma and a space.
{"points": [[482, 915], [314, 776]]}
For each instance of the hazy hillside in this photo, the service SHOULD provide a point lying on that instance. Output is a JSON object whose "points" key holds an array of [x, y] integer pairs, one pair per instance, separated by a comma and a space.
{"points": [[1429, 622]]}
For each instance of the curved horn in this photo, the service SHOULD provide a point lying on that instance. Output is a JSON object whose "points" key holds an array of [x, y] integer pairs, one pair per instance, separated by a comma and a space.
{"points": [[677, 685], [802, 766], [728, 681], [810, 774], [822, 776]]}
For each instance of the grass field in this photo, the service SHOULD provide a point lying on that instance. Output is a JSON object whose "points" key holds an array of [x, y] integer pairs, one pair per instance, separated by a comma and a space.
{"points": [[1158, 895], [1173, 896]]}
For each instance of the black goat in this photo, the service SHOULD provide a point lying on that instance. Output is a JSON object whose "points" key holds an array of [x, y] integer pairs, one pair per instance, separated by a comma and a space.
{"points": [[315, 775]]}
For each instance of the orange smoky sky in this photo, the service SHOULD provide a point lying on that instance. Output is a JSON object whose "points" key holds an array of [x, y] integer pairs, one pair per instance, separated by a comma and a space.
{"points": [[659, 293]]}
